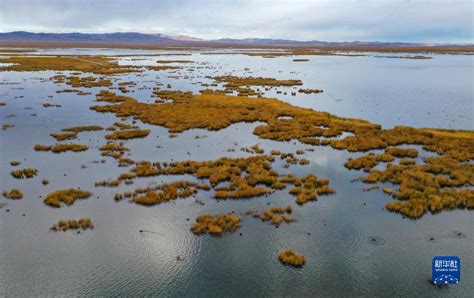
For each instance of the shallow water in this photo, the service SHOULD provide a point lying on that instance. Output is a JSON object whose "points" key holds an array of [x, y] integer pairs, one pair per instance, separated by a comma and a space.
{"points": [[335, 234]]}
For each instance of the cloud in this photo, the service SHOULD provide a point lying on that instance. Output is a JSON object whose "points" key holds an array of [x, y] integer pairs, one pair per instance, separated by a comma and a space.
{"points": [[384, 20]]}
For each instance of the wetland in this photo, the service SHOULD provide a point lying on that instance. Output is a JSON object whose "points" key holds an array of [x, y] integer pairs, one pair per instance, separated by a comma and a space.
{"points": [[229, 172]]}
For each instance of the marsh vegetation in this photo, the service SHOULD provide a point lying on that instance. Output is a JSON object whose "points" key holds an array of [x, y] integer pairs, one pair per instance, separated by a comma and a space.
{"points": [[417, 171], [14, 194], [292, 258], [216, 224], [72, 224], [66, 197]]}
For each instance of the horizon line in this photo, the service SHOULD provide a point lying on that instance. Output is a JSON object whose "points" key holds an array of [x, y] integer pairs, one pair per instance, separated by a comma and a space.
{"points": [[247, 38]]}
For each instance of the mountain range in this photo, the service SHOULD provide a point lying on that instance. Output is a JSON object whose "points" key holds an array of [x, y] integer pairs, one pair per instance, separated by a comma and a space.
{"points": [[124, 38]]}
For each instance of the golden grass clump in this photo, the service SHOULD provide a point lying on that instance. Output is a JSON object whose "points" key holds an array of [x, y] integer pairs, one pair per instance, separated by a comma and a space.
{"points": [[436, 185], [24, 173], [107, 183], [15, 163], [245, 92], [233, 178], [186, 111], [407, 161], [67, 196], [126, 176], [88, 82], [58, 148], [174, 61], [107, 96], [124, 125], [310, 188], [233, 81], [114, 150], [400, 152], [455, 144], [166, 192], [72, 224], [310, 91], [7, 126], [254, 149], [275, 215], [14, 194], [64, 136], [50, 105], [42, 147], [291, 257], [94, 64], [128, 134], [145, 170], [84, 128], [216, 224], [365, 162], [213, 112], [161, 67], [125, 162], [111, 146]]}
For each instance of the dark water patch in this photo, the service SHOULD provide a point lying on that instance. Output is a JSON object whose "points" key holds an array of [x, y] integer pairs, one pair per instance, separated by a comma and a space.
{"points": [[457, 234], [375, 240]]}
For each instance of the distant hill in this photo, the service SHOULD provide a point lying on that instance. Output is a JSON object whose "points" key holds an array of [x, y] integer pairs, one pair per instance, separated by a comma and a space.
{"points": [[267, 41], [119, 37], [155, 40], [134, 38]]}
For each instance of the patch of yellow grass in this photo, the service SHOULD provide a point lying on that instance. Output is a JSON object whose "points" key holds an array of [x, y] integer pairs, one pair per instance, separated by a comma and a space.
{"points": [[77, 129], [291, 257], [64, 136], [24, 173], [216, 224], [128, 134], [14, 194], [67, 196], [83, 63], [72, 224]]}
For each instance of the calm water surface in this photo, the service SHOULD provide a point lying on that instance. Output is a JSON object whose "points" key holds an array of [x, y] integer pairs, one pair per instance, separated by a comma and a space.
{"points": [[334, 234]]}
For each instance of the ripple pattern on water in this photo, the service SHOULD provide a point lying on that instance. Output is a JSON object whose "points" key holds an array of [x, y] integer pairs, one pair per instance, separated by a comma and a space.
{"points": [[375, 240], [457, 234]]}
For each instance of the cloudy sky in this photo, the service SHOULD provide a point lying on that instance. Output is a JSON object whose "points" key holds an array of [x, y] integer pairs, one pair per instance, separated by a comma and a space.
{"points": [[329, 20]]}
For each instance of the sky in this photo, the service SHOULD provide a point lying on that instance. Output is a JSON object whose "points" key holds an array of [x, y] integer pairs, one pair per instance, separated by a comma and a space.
{"points": [[435, 21]]}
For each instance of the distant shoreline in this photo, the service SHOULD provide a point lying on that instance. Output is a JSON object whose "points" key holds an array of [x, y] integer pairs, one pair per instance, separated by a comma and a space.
{"points": [[213, 45]]}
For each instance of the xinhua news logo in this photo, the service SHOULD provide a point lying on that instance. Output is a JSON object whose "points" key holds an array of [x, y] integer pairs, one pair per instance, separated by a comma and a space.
{"points": [[446, 270]]}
